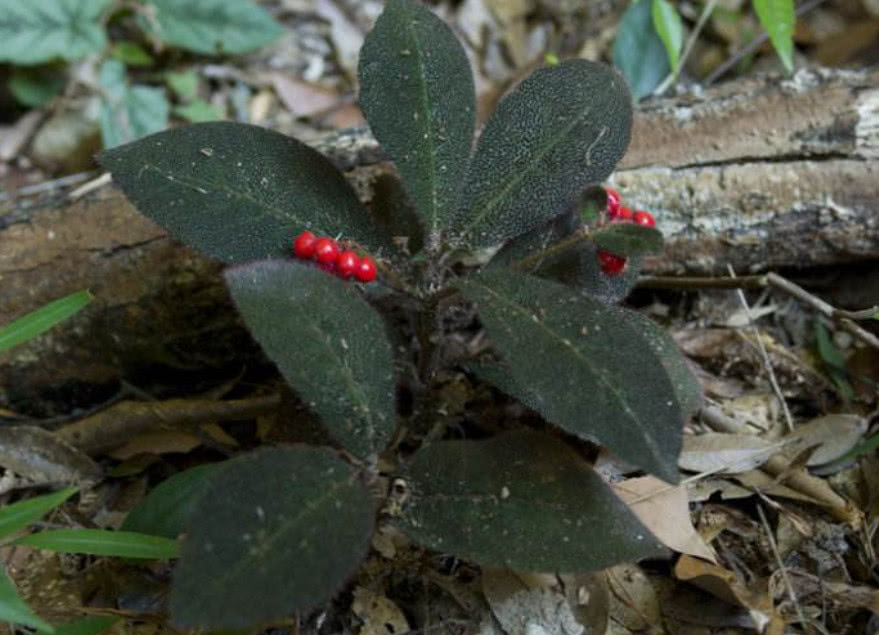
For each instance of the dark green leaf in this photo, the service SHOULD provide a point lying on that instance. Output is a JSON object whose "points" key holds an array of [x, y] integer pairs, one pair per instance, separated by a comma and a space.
{"points": [[523, 500], [21, 514], [36, 31], [212, 27], [91, 625], [328, 343], [586, 368], [629, 240], [417, 93], [29, 326], [278, 531], [562, 128], [131, 54], [638, 50], [129, 112], [670, 29], [101, 542], [165, 510], [777, 17], [14, 610], [35, 87], [238, 192]]}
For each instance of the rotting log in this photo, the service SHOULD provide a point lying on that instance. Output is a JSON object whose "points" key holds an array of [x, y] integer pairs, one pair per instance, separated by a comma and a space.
{"points": [[759, 174]]}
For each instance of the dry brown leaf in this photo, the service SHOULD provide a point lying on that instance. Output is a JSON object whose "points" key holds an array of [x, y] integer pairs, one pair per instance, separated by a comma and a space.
{"points": [[524, 603], [834, 435], [665, 511], [589, 598], [303, 99], [720, 453], [724, 584], [705, 488], [161, 442], [765, 484], [634, 601], [216, 432], [380, 616], [346, 36]]}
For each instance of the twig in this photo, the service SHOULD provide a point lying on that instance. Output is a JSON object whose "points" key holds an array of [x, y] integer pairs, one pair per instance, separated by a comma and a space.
{"points": [[787, 583], [765, 355]]}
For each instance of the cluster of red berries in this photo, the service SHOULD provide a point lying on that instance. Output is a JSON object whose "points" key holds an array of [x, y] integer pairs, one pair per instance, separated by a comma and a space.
{"points": [[326, 252], [612, 264]]}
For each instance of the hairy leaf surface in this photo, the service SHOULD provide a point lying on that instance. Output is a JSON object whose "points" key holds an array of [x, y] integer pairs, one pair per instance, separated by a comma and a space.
{"points": [[416, 90], [564, 127], [238, 192], [327, 342], [522, 500], [284, 528], [586, 368]]}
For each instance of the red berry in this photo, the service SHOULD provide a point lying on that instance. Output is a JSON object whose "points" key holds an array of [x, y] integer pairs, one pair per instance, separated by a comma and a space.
{"points": [[624, 215], [365, 271], [303, 246], [613, 202], [347, 263], [326, 250], [611, 264], [644, 218]]}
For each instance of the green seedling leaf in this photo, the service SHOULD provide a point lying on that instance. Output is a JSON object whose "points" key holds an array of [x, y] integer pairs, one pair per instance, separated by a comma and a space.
{"points": [[198, 111], [561, 129], [29, 326], [35, 87], [212, 27], [777, 17], [14, 610], [238, 192], [165, 510], [91, 625], [576, 356], [670, 29], [629, 240], [285, 528], [129, 112], [639, 52], [101, 542], [523, 500], [184, 85], [43, 30], [327, 342], [19, 515], [131, 54], [834, 362], [417, 93]]}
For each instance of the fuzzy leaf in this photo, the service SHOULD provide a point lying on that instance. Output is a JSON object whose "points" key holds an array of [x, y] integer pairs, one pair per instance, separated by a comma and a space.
{"points": [[21, 514], [670, 29], [576, 356], [417, 93], [212, 27], [327, 342], [638, 50], [129, 112], [562, 128], [283, 528], [165, 510], [101, 542], [41, 320], [523, 500], [777, 17], [14, 610], [629, 240], [37, 31], [238, 192]]}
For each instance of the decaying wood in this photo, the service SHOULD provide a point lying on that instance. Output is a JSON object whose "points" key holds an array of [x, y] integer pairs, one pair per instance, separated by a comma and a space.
{"points": [[760, 173]]}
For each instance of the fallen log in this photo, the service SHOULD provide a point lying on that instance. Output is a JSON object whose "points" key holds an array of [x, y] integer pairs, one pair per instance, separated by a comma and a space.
{"points": [[758, 174]]}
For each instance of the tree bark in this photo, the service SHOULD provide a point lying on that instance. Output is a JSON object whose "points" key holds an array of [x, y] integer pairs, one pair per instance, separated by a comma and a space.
{"points": [[759, 174]]}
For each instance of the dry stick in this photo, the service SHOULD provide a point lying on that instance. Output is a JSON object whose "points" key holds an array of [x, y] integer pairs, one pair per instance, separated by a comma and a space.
{"points": [[766, 361], [798, 479], [774, 547], [116, 425]]}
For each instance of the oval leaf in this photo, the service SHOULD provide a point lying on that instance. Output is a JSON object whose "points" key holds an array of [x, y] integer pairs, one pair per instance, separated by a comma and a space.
{"points": [[165, 510], [831, 436], [417, 93], [212, 27], [670, 29], [522, 500], [284, 528], [777, 17], [100, 542], [638, 50], [562, 128], [721, 453], [238, 192], [129, 112], [629, 240], [29, 326], [13, 609], [576, 357], [21, 514], [40, 31], [327, 342]]}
